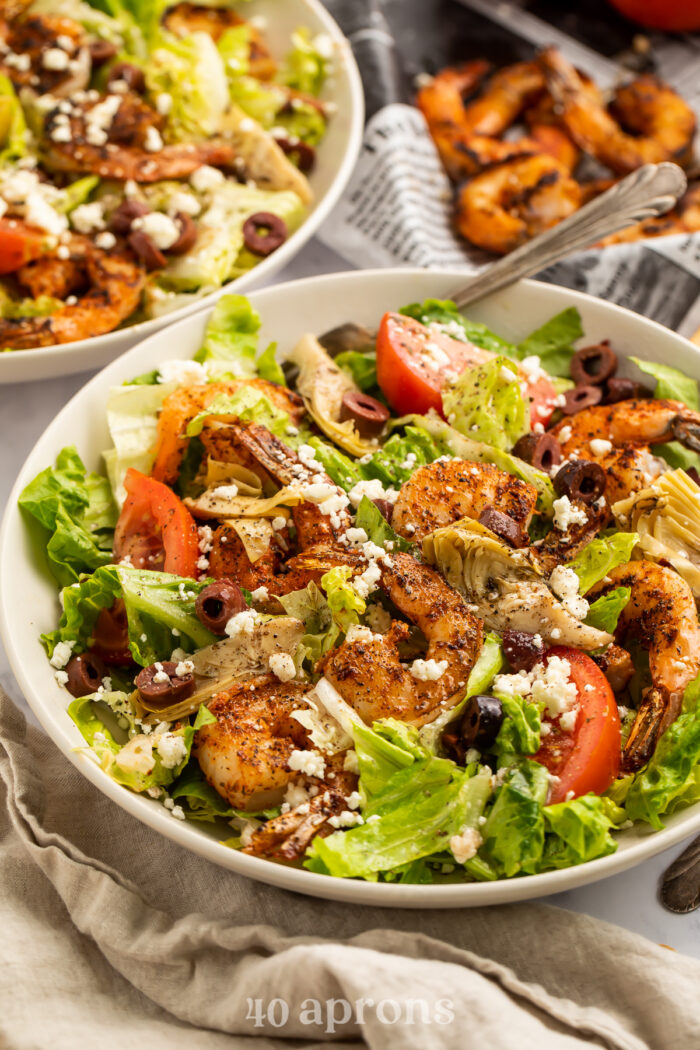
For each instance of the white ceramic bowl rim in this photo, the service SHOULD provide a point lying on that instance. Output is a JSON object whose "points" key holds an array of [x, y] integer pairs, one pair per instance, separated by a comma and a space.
{"points": [[185, 335], [71, 357]]}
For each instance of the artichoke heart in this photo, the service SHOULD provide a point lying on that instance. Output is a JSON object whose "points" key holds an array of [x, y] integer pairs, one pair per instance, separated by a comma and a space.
{"points": [[505, 585], [323, 385], [666, 517], [263, 159], [218, 666]]}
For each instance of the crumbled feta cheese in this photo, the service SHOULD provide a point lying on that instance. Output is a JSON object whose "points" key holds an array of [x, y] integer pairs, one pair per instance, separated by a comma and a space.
{"points": [[564, 434], [177, 812], [105, 240], [171, 748], [87, 218], [21, 62], [260, 594], [378, 618], [465, 845], [507, 374], [600, 447], [354, 799], [356, 537], [243, 623], [548, 683], [38, 212], [566, 514], [428, 670], [185, 373], [153, 140], [61, 677], [350, 761], [295, 795], [161, 677], [567, 722], [55, 59], [278, 523], [206, 178], [164, 103], [181, 201], [283, 667], [346, 819], [162, 230], [532, 368], [565, 584], [184, 667], [312, 763], [358, 633], [61, 654], [372, 489], [225, 491], [61, 133]]}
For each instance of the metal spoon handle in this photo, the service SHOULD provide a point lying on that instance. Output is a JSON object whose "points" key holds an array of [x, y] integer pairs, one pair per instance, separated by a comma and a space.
{"points": [[680, 888], [646, 193]]}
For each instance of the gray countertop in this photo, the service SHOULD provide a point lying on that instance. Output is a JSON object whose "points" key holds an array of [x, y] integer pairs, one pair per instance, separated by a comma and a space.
{"points": [[630, 899]]}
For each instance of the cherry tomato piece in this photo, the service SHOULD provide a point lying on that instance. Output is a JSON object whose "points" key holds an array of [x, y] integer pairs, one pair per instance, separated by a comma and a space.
{"points": [[19, 244], [155, 529]]}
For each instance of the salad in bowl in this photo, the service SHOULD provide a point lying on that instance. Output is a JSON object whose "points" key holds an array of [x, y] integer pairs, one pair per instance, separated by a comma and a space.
{"points": [[406, 605], [149, 154]]}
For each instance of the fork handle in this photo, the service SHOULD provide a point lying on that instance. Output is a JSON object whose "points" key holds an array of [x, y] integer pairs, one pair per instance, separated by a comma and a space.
{"points": [[646, 193]]}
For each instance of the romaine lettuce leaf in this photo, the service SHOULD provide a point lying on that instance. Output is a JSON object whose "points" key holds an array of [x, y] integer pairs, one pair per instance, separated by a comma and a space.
{"points": [[77, 515], [670, 383], [553, 342], [311, 607], [132, 418], [444, 313], [191, 71], [378, 529], [340, 468], [42, 306], [579, 830], [231, 335], [514, 830], [247, 403], [677, 455], [414, 816], [157, 604], [344, 602], [202, 801], [605, 612], [601, 556], [486, 404], [269, 367], [401, 455], [671, 779], [520, 730], [361, 367], [14, 136], [304, 68]]}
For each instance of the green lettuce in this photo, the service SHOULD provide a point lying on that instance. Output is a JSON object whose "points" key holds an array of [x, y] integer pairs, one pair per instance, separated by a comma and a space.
{"points": [[304, 68], [579, 830], [14, 136], [514, 830], [76, 513], [378, 529], [401, 455], [601, 556], [340, 468], [269, 367], [414, 816], [41, 306], [191, 71], [231, 335], [444, 313], [202, 801], [520, 730], [344, 602], [76, 193], [553, 342], [311, 607], [248, 404], [671, 780], [361, 367], [605, 612], [670, 383], [132, 418], [159, 608], [486, 404], [677, 455]]}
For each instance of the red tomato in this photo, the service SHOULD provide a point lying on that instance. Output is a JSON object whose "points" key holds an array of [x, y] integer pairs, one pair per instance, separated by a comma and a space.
{"points": [[677, 17], [589, 758], [19, 244], [412, 362], [155, 528]]}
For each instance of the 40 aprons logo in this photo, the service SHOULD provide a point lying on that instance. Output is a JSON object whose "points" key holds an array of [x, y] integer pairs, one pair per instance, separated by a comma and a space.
{"points": [[330, 1014]]}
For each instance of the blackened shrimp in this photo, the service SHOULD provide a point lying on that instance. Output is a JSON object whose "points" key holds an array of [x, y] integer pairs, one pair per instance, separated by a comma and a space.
{"points": [[367, 670], [444, 491]]}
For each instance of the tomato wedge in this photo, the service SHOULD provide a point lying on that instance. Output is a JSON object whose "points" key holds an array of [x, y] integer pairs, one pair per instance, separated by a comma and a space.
{"points": [[155, 529], [19, 244], [413, 362], [588, 759]]}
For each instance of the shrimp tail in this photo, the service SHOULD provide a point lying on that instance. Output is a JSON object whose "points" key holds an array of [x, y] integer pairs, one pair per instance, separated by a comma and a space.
{"points": [[646, 730], [687, 432]]}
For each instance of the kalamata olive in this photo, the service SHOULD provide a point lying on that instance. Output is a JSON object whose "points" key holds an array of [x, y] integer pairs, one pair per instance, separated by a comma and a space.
{"points": [[85, 673], [161, 682], [693, 474], [522, 650], [593, 365], [481, 721], [368, 414], [581, 397], [580, 479], [541, 450], [304, 155], [453, 745], [130, 74], [385, 508], [144, 247], [122, 217], [111, 636], [217, 603], [618, 388], [188, 234], [101, 51], [504, 526], [264, 232]]}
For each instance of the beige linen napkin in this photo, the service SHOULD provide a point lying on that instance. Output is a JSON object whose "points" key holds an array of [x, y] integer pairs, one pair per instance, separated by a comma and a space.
{"points": [[113, 937]]}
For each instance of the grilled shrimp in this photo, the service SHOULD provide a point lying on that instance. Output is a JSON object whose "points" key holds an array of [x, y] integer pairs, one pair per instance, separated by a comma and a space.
{"points": [[33, 36], [49, 275], [180, 408], [116, 282], [245, 755], [444, 492], [506, 206], [185, 18], [663, 124], [367, 671], [662, 617], [123, 154], [630, 427]]}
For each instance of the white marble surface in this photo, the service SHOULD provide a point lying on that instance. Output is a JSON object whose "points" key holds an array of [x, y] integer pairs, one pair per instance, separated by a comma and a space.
{"points": [[630, 899]]}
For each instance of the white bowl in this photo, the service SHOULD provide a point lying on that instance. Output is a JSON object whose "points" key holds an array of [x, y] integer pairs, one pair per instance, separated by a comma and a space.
{"points": [[28, 599], [336, 158]]}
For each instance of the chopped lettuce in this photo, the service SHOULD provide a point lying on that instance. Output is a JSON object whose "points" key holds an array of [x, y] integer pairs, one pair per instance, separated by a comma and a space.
{"points": [[269, 367], [202, 801], [304, 68], [677, 455], [42, 306], [514, 830], [191, 71], [302, 121], [486, 404], [159, 608], [601, 556], [414, 816], [579, 830], [520, 730], [132, 418], [344, 602], [444, 314], [340, 468], [378, 529], [76, 193], [14, 136], [401, 455], [231, 335], [553, 342], [77, 514], [605, 612], [247, 403], [321, 630], [670, 383], [361, 367]]}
